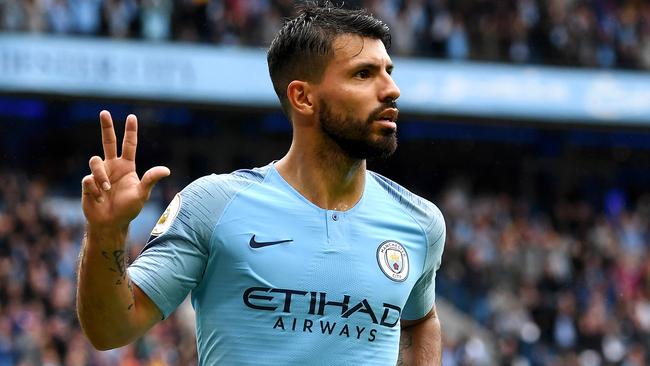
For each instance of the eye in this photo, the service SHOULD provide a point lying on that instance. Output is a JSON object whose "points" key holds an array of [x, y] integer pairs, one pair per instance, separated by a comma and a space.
{"points": [[363, 74]]}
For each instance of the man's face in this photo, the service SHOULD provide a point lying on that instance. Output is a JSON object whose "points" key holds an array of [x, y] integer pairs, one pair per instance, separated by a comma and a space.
{"points": [[356, 101]]}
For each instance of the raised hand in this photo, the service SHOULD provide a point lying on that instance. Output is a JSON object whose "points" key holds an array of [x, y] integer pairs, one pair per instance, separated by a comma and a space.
{"points": [[113, 195]]}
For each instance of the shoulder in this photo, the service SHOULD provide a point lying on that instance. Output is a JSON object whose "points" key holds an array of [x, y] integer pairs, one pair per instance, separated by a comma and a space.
{"points": [[196, 209], [221, 188], [206, 198], [423, 211], [226, 184]]}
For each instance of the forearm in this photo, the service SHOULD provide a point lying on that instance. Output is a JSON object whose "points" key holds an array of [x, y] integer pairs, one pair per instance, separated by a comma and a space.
{"points": [[105, 296], [421, 344]]}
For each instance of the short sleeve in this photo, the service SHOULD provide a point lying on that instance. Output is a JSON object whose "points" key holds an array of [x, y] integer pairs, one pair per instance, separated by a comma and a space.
{"points": [[422, 296], [173, 261]]}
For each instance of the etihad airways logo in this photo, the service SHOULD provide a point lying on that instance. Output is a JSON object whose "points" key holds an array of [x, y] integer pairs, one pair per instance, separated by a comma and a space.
{"points": [[306, 303]]}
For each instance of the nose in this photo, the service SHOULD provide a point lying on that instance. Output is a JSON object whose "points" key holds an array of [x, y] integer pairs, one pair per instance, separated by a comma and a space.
{"points": [[389, 91]]}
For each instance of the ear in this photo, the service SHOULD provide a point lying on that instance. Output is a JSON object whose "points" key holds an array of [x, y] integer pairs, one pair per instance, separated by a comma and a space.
{"points": [[300, 97]]}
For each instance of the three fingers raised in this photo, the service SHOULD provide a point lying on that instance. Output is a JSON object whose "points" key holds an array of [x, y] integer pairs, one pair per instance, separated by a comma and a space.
{"points": [[98, 179]]}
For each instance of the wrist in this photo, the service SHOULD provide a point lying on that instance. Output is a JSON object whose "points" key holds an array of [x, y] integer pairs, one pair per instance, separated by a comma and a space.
{"points": [[107, 236]]}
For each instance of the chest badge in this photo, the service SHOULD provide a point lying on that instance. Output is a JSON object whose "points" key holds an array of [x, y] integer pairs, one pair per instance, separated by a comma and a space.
{"points": [[393, 260]]}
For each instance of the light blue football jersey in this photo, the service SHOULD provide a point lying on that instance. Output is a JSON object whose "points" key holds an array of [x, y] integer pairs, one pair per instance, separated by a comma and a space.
{"points": [[276, 280]]}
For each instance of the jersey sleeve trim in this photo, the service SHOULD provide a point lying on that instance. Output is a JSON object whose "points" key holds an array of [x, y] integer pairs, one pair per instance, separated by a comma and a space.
{"points": [[144, 281]]}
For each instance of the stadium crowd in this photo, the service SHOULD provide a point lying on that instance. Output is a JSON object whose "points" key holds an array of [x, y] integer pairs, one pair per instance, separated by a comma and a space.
{"points": [[39, 246], [589, 33], [568, 287]]}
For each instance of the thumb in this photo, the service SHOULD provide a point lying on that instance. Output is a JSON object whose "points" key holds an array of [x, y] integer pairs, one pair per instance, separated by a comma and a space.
{"points": [[152, 176]]}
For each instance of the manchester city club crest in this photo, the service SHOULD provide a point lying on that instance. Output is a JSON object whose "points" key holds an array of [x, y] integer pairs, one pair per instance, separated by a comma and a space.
{"points": [[393, 260]]}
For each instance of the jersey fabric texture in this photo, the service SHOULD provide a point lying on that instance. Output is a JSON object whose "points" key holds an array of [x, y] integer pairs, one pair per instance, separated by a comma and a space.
{"points": [[276, 280]]}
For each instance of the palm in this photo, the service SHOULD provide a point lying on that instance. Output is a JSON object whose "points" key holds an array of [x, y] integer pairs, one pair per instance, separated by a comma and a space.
{"points": [[127, 195], [123, 202]]}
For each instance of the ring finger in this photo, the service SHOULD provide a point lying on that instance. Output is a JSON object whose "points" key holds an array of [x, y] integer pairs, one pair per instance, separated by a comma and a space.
{"points": [[98, 169]]}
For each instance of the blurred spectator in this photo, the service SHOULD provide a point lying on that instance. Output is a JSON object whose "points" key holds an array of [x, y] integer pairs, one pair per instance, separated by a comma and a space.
{"points": [[86, 15], [35, 20], [59, 16], [155, 19], [120, 16], [12, 15]]}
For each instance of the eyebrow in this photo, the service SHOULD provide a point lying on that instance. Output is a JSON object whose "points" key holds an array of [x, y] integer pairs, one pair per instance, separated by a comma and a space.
{"points": [[372, 65]]}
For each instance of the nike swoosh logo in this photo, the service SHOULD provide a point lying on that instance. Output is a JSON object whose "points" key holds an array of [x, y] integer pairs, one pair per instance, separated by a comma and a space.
{"points": [[261, 244]]}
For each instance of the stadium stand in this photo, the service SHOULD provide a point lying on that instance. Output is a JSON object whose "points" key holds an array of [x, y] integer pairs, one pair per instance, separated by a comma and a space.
{"points": [[603, 33]]}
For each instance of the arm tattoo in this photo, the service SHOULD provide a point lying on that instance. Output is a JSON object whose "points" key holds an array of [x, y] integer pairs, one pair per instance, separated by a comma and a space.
{"points": [[118, 260], [132, 295], [405, 343]]}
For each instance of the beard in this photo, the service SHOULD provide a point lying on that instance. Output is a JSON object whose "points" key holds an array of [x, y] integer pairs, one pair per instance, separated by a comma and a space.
{"points": [[355, 136]]}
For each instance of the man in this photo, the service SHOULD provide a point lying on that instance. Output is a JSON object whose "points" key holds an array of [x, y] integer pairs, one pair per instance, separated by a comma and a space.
{"points": [[310, 260]]}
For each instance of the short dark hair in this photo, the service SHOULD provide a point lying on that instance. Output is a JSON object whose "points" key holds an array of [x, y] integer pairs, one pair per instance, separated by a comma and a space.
{"points": [[303, 47]]}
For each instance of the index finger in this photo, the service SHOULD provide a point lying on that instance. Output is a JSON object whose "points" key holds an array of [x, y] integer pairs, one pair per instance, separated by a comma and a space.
{"points": [[109, 141]]}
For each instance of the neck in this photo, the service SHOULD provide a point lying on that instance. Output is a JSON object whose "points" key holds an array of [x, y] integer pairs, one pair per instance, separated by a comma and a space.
{"points": [[326, 176]]}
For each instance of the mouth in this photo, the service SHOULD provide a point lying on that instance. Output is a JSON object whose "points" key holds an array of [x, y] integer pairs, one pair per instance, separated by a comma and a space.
{"points": [[388, 115], [388, 118]]}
